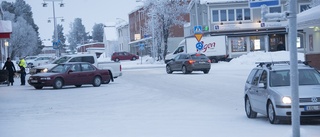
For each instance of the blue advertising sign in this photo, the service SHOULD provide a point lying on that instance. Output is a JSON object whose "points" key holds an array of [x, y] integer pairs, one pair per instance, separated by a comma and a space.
{"points": [[258, 3], [199, 46]]}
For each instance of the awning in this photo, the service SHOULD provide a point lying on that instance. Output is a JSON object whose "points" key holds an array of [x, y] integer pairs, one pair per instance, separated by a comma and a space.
{"points": [[140, 40], [309, 18]]}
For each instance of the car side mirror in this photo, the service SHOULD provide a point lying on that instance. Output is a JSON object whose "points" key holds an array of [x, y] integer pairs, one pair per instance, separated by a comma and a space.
{"points": [[262, 85]]}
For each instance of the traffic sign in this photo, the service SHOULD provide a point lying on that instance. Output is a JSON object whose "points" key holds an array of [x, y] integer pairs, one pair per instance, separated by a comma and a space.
{"points": [[198, 36], [141, 47], [197, 29], [258, 3], [199, 46]]}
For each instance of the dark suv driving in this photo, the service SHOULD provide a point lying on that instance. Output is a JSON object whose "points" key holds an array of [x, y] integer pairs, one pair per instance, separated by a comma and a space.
{"points": [[117, 56]]}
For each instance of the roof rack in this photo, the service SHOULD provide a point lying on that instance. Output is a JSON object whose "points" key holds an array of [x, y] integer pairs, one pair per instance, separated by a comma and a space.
{"points": [[268, 64]]}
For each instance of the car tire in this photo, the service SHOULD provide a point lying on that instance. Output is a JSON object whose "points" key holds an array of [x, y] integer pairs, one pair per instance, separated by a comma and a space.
{"points": [[116, 60], [206, 71], [38, 87], [97, 81], [250, 113], [58, 83], [272, 114], [78, 85], [168, 69], [184, 70], [134, 58]]}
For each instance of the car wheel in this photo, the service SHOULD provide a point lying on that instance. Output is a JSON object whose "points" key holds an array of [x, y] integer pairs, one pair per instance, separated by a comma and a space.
{"points": [[250, 113], [96, 81], [117, 60], [206, 71], [78, 85], [184, 70], [168, 69], [134, 58], [272, 114], [38, 87], [58, 83]]}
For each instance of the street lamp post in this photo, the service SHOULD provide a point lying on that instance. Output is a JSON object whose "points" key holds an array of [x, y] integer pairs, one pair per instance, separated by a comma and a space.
{"points": [[56, 40]]}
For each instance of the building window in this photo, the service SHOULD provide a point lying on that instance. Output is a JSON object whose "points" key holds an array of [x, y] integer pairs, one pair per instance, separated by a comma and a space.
{"points": [[231, 15], [275, 9], [247, 14], [304, 7], [215, 16], [223, 15], [239, 14], [238, 44]]}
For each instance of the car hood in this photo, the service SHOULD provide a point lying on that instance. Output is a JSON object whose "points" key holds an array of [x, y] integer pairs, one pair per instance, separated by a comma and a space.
{"points": [[48, 66], [304, 91], [48, 74]]}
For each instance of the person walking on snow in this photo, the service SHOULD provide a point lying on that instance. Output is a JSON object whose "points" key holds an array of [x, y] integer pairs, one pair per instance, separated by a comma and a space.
{"points": [[9, 66]]}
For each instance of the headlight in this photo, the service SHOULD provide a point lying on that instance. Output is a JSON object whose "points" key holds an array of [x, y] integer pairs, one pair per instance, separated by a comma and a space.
{"points": [[45, 78], [286, 100], [44, 70]]}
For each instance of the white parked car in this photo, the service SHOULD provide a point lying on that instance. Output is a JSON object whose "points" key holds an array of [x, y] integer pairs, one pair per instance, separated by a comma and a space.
{"points": [[39, 60], [267, 91]]}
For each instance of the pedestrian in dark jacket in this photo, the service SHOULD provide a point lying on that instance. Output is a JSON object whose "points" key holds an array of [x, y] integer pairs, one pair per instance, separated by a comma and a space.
{"points": [[9, 66]]}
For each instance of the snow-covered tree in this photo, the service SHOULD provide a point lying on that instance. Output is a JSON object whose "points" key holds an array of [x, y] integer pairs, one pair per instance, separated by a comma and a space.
{"points": [[23, 39], [97, 33], [77, 34], [162, 15], [21, 9]]}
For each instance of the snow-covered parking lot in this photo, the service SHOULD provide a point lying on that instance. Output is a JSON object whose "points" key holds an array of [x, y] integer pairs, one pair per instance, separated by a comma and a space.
{"points": [[144, 102]]}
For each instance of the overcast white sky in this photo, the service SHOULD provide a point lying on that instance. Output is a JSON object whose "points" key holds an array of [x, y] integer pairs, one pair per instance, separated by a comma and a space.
{"points": [[90, 11]]}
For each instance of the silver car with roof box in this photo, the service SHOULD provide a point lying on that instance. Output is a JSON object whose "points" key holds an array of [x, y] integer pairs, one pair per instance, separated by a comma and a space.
{"points": [[267, 91]]}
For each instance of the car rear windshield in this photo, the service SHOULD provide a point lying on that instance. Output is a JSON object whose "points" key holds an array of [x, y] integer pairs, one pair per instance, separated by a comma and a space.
{"points": [[306, 77], [199, 56]]}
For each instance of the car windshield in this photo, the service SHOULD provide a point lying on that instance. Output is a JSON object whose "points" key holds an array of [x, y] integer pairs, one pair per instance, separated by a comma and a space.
{"points": [[306, 77], [61, 68], [61, 60]]}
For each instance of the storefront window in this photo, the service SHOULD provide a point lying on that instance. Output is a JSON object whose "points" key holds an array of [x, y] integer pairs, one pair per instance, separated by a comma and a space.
{"points": [[257, 43], [238, 44]]}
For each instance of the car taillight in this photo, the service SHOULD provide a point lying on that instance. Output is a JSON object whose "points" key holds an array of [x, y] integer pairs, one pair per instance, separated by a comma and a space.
{"points": [[191, 61], [209, 60]]}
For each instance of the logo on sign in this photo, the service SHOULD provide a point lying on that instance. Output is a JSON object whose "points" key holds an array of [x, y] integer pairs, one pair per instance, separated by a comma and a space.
{"points": [[199, 46], [211, 45]]}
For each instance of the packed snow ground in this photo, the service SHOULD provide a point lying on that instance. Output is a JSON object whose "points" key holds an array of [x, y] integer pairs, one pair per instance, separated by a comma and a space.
{"points": [[76, 112]]}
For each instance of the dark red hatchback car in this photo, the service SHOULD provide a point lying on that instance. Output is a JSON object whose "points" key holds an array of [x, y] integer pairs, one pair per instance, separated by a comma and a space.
{"points": [[117, 56], [73, 73]]}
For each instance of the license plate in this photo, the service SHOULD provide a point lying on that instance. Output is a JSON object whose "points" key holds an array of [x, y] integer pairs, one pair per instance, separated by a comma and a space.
{"points": [[311, 108], [201, 62], [34, 81]]}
